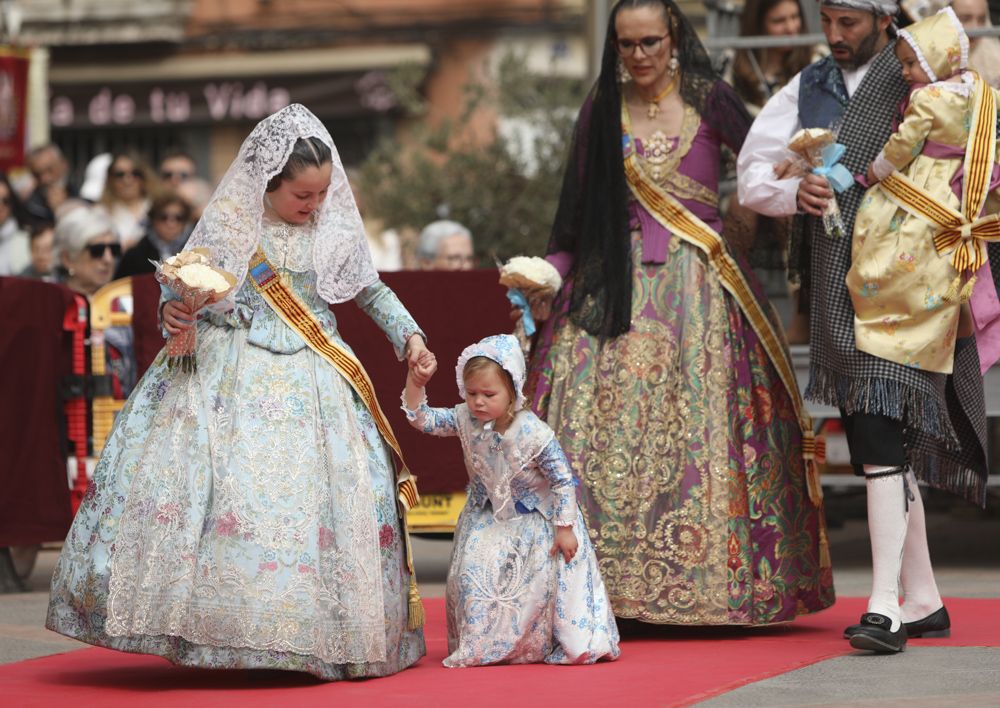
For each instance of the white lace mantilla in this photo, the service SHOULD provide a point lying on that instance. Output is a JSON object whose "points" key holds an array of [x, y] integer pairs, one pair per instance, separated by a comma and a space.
{"points": [[232, 223]]}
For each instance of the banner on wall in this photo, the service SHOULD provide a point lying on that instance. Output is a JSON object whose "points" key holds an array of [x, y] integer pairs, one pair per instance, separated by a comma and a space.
{"points": [[13, 105], [185, 103]]}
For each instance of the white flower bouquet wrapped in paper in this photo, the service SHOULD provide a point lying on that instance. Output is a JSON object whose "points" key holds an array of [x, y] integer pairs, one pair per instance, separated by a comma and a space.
{"points": [[527, 277], [191, 276], [816, 150]]}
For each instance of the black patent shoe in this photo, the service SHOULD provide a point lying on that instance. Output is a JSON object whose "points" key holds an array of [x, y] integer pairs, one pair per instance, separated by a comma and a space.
{"points": [[936, 624], [874, 634], [852, 630]]}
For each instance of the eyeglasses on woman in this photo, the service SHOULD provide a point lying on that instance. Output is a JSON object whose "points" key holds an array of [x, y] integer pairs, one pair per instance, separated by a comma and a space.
{"points": [[647, 45]]}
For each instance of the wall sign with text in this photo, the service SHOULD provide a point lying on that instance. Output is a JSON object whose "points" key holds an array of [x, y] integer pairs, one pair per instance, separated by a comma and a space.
{"points": [[133, 104]]}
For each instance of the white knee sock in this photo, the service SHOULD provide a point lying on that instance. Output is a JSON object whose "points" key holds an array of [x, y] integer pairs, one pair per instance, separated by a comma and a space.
{"points": [[920, 591], [887, 529]]}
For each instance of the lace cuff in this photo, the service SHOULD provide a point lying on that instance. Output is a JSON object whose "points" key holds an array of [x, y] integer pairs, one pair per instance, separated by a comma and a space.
{"points": [[414, 413], [433, 421], [881, 167]]}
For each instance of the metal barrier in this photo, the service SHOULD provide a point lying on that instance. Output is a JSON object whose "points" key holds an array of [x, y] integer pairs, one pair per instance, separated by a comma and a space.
{"points": [[716, 44]]}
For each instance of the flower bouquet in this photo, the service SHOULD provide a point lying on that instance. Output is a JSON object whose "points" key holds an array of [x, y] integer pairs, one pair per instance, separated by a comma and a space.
{"points": [[817, 151], [191, 276], [526, 277]]}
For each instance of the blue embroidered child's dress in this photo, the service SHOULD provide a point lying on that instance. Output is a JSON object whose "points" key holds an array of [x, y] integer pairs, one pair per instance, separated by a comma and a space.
{"points": [[509, 601]]}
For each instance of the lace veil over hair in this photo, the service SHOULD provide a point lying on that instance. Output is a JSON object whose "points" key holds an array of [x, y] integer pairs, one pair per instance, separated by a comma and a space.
{"points": [[231, 225]]}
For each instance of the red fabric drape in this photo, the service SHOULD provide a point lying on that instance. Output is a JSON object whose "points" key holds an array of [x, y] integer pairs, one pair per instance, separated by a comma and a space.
{"points": [[35, 355], [455, 309], [145, 323]]}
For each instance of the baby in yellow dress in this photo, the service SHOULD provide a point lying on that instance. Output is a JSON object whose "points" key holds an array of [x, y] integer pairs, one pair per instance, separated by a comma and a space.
{"points": [[907, 291]]}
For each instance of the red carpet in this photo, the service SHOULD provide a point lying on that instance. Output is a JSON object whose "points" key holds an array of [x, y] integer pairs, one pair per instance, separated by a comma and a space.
{"points": [[659, 666]]}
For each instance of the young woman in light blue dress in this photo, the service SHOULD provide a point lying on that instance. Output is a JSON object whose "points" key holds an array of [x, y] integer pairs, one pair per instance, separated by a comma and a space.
{"points": [[523, 586], [244, 515]]}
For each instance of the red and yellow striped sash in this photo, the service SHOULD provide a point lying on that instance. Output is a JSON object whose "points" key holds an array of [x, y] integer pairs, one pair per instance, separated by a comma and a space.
{"points": [[296, 315], [980, 151], [960, 232], [678, 219], [964, 239]]}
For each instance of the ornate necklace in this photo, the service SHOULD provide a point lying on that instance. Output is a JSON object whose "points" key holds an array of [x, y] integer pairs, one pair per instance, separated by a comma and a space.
{"points": [[654, 104], [657, 153]]}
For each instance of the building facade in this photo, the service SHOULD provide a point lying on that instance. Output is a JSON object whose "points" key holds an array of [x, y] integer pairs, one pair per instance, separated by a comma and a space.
{"points": [[198, 74]]}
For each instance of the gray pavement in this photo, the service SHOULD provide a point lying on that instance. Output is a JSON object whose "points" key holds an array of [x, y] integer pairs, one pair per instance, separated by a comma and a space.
{"points": [[965, 544], [921, 676]]}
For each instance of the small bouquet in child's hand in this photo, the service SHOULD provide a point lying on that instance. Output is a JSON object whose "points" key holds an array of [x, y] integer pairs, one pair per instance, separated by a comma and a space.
{"points": [[527, 277], [817, 151], [192, 277]]}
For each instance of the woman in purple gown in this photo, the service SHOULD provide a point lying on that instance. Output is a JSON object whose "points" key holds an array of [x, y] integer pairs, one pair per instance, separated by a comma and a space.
{"points": [[661, 367]]}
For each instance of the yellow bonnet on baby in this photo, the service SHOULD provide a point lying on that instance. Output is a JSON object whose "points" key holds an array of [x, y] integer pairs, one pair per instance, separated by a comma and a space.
{"points": [[940, 43]]}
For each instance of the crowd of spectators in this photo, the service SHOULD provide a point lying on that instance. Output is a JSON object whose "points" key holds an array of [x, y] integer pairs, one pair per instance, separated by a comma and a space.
{"points": [[123, 216], [147, 214], [151, 213]]}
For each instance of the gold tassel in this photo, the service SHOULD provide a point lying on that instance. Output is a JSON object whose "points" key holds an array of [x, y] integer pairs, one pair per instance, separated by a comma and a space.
{"points": [[951, 294], [824, 545], [967, 289], [813, 485], [414, 607]]}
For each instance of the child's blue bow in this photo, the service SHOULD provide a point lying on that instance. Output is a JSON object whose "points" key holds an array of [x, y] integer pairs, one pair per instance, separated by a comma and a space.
{"points": [[835, 173]]}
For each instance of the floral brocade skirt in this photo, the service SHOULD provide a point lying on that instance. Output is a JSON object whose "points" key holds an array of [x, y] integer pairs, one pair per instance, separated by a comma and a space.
{"points": [[242, 516], [689, 452], [509, 601]]}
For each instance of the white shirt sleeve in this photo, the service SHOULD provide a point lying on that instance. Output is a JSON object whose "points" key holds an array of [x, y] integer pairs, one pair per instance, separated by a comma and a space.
{"points": [[765, 147]]}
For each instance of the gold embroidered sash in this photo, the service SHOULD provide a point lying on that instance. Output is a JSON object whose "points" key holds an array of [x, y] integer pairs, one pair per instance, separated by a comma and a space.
{"points": [[679, 220], [296, 315], [960, 232]]}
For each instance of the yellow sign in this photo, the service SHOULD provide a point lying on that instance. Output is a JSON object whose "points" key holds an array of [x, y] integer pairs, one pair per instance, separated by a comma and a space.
{"points": [[436, 512]]}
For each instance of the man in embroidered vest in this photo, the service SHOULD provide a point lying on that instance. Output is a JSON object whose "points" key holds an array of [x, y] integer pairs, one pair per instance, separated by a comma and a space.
{"points": [[902, 423]]}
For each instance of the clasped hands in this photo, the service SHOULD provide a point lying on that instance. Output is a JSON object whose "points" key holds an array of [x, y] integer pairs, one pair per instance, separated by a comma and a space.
{"points": [[421, 361]]}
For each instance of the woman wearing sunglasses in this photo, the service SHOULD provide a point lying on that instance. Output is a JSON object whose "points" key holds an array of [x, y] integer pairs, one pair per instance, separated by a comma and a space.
{"points": [[126, 199], [87, 249], [659, 367], [168, 231]]}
